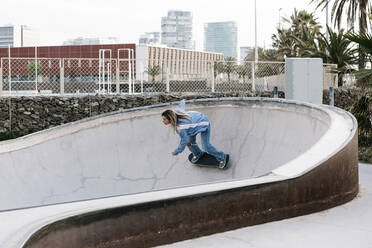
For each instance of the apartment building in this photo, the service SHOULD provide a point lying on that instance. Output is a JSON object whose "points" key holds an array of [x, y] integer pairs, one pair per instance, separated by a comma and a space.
{"points": [[176, 29], [221, 37], [19, 36]]}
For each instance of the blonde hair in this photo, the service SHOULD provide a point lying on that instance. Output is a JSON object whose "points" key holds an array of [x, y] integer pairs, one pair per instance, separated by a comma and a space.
{"points": [[173, 116]]}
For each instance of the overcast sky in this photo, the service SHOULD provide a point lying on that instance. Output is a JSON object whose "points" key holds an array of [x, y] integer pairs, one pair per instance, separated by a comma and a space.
{"points": [[61, 20]]}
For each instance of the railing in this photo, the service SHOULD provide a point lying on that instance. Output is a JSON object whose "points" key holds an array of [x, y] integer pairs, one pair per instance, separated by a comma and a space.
{"points": [[53, 76]]}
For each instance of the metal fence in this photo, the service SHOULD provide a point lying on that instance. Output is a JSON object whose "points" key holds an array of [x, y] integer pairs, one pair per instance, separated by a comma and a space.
{"points": [[53, 76]]}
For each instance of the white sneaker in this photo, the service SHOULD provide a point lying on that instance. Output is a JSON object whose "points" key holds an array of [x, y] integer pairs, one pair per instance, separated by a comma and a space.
{"points": [[195, 159], [222, 162]]}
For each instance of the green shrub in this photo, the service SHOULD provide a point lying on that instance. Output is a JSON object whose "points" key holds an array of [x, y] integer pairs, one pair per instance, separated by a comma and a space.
{"points": [[365, 154], [9, 135]]}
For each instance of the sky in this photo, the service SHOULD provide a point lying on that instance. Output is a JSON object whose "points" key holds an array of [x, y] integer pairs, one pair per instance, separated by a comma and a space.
{"points": [[60, 20]]}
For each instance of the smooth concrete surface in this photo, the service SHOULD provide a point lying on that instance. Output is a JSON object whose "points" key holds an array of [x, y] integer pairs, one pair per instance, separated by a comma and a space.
{"points": [[299, 136], [345, 226], [129, 152]]}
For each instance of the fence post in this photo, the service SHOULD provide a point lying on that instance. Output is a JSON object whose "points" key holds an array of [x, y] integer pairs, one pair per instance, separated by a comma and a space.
{"points": [[266, 87], [141, 74], [167, 80], [331, 96], [1, 77], [253, 77], [36, 74], [9, 72], [212, 77], [62, 76], [117, 78], [276, 95]]}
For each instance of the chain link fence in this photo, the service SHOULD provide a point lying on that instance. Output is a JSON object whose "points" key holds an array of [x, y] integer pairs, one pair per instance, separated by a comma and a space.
{"points": [[53, 76]]}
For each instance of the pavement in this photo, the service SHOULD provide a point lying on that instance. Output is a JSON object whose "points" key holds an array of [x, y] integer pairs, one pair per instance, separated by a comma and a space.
{"points": [[345, 226]]}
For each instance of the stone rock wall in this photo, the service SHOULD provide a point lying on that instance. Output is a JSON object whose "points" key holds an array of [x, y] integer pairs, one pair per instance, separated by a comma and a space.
{"points": [[32, 114], [344, 97]]}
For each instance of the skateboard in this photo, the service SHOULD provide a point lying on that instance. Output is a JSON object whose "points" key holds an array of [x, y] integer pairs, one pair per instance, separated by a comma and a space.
{"points": [[210, 161]]}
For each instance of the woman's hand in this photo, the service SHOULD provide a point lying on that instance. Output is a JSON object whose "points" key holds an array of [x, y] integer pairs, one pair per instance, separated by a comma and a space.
{"points": [[174, 154]]}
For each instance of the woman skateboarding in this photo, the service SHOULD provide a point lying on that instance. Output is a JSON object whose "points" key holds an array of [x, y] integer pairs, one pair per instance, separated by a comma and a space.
{"points": [[188, 125]]}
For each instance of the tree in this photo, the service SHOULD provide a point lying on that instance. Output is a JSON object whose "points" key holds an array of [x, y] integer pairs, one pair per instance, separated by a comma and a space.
{"points": [[31, 68], [230, 66], [356, 10], [284, 43], [364, 40], [153, 71], [263, 55], [306, 42], [337, 50], [362, 108], [296, 40], [218, 68], [270, 55], [302, 20], [243, 70]]}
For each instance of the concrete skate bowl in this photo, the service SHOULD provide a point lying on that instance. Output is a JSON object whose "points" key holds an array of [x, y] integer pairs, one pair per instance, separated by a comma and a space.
{"points": [[287, 158]]}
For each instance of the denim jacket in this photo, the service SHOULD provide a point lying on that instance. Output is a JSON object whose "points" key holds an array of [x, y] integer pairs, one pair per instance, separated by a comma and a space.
{"points": [[197, 123]]}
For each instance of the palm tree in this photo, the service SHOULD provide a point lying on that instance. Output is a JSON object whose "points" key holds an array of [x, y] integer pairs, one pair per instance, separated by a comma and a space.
{"points": [[305, 42], [337, 50], [299, 37], [364, 76], [263, 55], [356, 10], [230, 64], [270, 55], [361, 108], [218, 68], [153, 71], [243, 71], [284, 43], [301, 20]]}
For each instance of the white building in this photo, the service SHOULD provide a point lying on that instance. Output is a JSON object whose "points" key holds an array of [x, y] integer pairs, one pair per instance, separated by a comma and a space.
{"points": [[91, 41], [176, 29], [177, 63], [150, 38], [19, 36]]}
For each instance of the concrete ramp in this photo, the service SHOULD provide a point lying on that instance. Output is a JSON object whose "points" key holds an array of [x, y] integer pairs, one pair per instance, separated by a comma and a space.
{"points": [[130, 152], [286, 158]]}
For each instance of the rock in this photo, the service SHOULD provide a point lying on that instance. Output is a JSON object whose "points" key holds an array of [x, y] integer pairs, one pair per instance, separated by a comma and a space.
{"points": [[27, 112]]}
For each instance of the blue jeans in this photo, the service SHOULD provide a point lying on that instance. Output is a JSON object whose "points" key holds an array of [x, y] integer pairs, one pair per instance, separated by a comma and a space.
{"points": [[205, 136]]}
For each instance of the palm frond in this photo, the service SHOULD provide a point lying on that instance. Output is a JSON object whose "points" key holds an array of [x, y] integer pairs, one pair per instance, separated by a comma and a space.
{"points": [[364, 40]]}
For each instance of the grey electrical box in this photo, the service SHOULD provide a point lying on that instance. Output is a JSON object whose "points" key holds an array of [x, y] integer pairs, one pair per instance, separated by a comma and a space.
{"points": [[304, 79]]}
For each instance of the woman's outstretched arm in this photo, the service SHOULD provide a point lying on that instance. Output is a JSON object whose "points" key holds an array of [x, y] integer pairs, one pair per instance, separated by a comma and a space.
{"points": [[183, 142]]}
